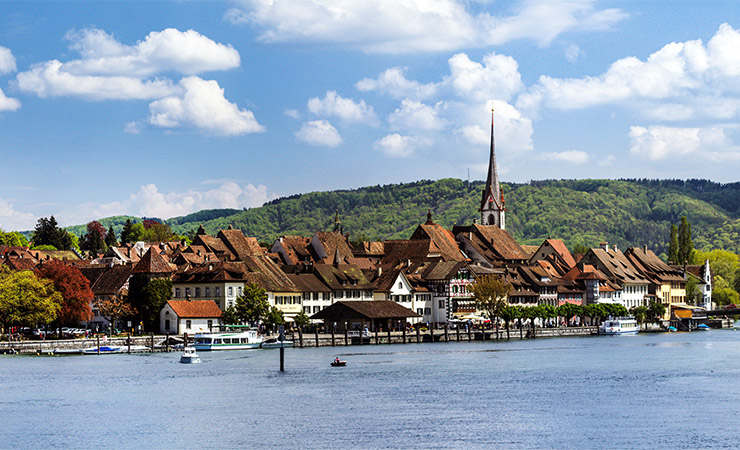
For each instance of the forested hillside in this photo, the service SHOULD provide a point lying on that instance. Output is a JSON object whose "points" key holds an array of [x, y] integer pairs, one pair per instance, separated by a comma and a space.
{"points": [[624, 212]]}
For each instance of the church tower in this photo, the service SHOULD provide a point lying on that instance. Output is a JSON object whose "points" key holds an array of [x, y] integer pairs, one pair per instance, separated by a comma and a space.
{"points": [[492, 205]]}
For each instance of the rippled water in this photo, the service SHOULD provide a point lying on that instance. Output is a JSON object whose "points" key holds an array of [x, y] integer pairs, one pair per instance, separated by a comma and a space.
{"points": [[678, 390]]}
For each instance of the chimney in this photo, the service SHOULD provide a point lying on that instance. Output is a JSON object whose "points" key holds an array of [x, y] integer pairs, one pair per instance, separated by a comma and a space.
{"points": [[475, 221], [380, 271], [615, 248], [604, 246], [644, 248], [281, 239]]}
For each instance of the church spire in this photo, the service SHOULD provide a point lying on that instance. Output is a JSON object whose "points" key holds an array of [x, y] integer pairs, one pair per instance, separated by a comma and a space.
{"points": [[492, 202]]}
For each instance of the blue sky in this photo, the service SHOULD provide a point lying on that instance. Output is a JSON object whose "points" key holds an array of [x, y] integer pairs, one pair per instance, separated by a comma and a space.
{"points": [[166, 108]]}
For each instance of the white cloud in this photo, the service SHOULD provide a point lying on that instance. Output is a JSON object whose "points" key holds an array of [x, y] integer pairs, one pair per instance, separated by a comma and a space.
{"points": [[13, 220], [570, 156], [682, 80], [399, 26], [204, 106], [417, 116], [319, 132], [661, 142], [132, 128], [51, 80], [396, 146], [292, 113], [185, 52], [496, 76], [346, 109], [7, 61], [148, 201], [394, 83], [572, 53], [8, 103]]}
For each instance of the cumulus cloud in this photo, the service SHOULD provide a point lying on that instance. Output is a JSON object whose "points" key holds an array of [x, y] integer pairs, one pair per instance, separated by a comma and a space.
{"points": [[681, 80], [8, 103], [149, 201], [396, 146], [13, 220], [417, 116], [7, 61], [570, 156], [204, 106], [51, 80], [394, 83], [496, 75], [334, 105], [661, 142], [399, 26], [320, 133]]}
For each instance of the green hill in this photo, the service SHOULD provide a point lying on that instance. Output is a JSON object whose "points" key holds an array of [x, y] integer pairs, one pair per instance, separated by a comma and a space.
{"points": [[622, 212]]}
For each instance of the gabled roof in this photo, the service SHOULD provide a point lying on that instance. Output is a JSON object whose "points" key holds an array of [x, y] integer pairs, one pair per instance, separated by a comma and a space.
{"points": [[152, 263], [497, 246], [107, 280], [195, 309], [443, 240], [375, 248], [292, 249], [647, 262], [342, 277], [332, 242], [240, 245], [614, 264]]}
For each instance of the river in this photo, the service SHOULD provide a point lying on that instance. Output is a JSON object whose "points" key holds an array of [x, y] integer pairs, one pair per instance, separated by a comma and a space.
{"points": [[671, 391]]}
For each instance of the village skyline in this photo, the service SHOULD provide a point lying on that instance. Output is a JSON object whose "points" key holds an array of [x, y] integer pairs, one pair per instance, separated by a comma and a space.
{"points": [[180, 107]]}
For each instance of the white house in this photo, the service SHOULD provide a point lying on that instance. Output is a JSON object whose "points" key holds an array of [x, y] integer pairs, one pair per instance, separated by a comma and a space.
{"points": [[189, 316]]}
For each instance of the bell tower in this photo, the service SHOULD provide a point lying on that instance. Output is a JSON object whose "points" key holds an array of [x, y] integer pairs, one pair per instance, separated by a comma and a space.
{"points": [[492, 205]]}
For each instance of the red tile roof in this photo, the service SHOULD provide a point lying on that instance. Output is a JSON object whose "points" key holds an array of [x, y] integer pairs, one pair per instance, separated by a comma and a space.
{"points": [[195, 309]]}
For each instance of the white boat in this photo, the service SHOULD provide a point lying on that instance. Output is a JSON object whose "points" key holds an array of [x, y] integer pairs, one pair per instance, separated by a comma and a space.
{"points": [[619, 325], [227, 340], [189, 356], [275, 343]]}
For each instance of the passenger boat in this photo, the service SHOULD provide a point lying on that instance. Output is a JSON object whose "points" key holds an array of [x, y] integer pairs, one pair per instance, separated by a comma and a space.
{"points": [[189, 356], [619, 325], [228, 340]]}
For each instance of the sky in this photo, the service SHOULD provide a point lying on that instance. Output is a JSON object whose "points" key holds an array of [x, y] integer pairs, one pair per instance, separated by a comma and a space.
{"points": [[161, 109]]}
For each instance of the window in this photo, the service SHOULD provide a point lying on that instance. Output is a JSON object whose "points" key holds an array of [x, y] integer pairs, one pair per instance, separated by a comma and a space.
{"points": [[177, 292], [315, 295], [208, 292], [188, 324], [420, 311], [306, 296], [441, 304], [355, 294], [187, 292], [231, 291], [400, 285], [339, 294], [326, 296], [307, 309], [210, 323], [316, 309], [427, 311], [240, 290], [167, 325], [197, 292], [217, 291]]}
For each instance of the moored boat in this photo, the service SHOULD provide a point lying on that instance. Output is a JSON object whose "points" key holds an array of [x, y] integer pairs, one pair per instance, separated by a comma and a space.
{"points": [[227, 340], [275, 343], [619, 326]]}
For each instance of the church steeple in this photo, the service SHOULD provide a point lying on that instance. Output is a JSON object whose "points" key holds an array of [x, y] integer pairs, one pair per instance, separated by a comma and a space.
{"points": [[492, 206]]}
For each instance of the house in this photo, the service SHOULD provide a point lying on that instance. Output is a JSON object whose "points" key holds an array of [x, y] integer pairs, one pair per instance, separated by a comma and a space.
{"points": [[106, 282], [667, 285], [619, 270], [490, 245], [358, 315], [703, 277], [189, 316], [553, 253]]}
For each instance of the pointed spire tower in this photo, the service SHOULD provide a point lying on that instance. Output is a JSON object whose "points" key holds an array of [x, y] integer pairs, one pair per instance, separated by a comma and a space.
{"points": [[492, 205]]}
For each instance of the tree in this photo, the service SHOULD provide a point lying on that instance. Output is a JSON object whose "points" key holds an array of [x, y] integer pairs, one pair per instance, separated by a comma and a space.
{"points": [[301, 319], [685, 243], [229, 316], [94, 240], [509, 313], [724, 264], [692, 290], [273, 317], [13, 239], [252, 306], [656, 311], [149, 297], [114, 308], [580, 248], [159, 232], [489, 293], [126, 232], [531, 313], [47, 232], [26, 299], [74, 289], [673, 246], [640, 314], [137, 233], [110, 237]]}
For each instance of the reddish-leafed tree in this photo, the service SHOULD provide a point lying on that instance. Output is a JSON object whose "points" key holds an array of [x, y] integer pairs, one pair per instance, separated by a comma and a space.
{"points": [[94, 240], [74, 287], [149, 222]]}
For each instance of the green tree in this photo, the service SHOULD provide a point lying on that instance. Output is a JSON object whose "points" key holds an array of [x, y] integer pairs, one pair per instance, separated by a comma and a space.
{"points": [[724, 264], [692, 289], [656, 311], [110, 237], [47, 232], [138, 233], [273, 318], [509, 313], [126, 232], [640, 313], [26, 299], [725, 296], [301, 319], [673, 246], [13, 239], [580, 248], [531, 313], [252, 306], [229, 316], [685, 243], [148, 298], [489, 293]]}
